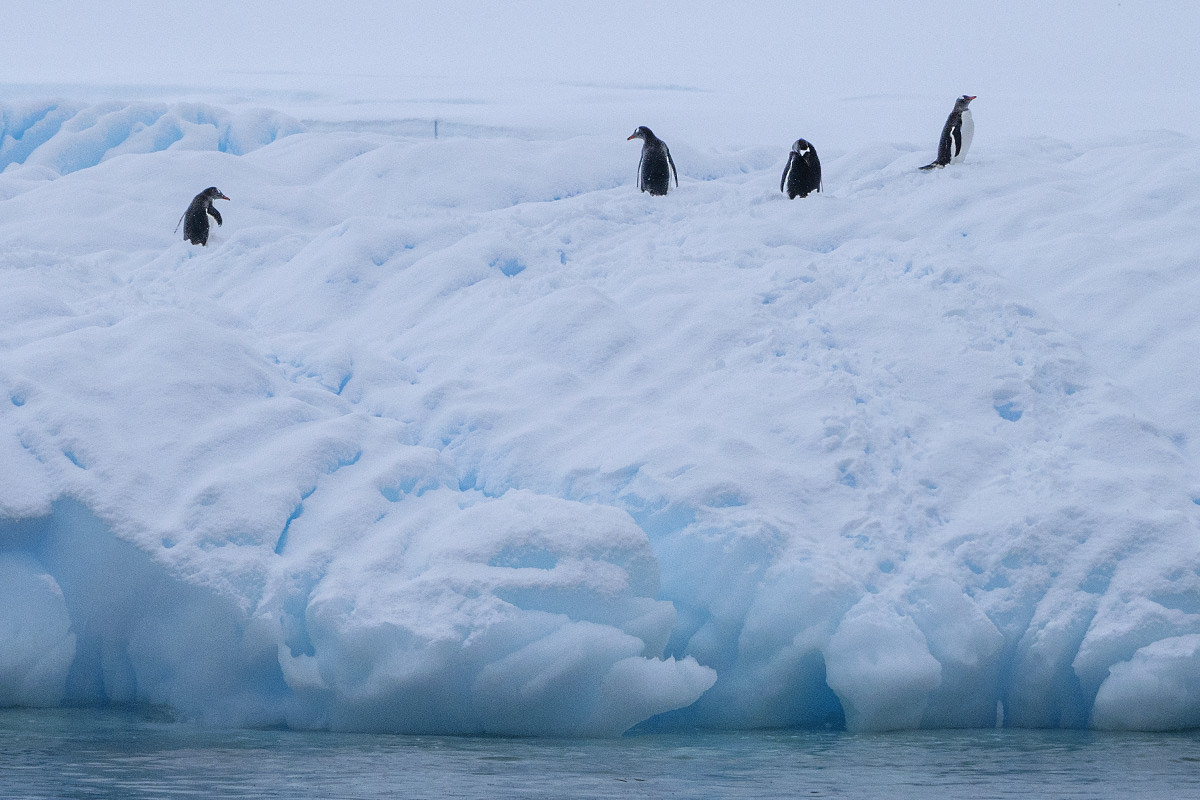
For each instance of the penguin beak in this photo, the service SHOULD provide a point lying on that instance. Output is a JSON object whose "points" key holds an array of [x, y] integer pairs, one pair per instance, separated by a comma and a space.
{"points": [[223, 197], [971, 97], [632, 136]]}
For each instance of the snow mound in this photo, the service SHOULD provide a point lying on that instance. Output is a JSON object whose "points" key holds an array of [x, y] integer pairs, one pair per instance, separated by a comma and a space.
{"points": [[469, 436], [66, 137]]}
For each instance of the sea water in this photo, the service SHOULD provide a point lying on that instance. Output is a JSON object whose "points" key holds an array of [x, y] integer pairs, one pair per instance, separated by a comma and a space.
{"points": [[142, 754]]}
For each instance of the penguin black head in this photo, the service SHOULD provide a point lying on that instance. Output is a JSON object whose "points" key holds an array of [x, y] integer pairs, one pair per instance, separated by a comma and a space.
{"points": [[801, 147], [964, 101], [213, 193], [643, 133]]}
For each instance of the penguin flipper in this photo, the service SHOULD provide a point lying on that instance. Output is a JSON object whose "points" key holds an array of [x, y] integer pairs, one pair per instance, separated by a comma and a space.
{"points": [[641, 176], [177, 224], [948, 143], [671, 161], [787, 168], [215, 214]]}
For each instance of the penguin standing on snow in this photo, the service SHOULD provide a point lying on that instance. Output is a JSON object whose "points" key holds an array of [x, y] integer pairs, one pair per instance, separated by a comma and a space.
{"points": [[956, 134], [802, 174], [195, 219], [656, 167]]}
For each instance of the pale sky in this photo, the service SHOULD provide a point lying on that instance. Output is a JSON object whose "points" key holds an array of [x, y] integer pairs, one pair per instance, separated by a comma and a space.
{"points": [[849, 71], [850, 47]]}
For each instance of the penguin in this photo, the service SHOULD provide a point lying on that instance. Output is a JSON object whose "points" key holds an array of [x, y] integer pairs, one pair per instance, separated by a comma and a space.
{"points": [[956, 134], [802, 174], [656, 166], [195, 219]]}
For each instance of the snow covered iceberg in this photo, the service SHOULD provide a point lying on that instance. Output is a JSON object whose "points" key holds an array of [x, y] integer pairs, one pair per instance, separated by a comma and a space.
{"points": [[433, 437]]}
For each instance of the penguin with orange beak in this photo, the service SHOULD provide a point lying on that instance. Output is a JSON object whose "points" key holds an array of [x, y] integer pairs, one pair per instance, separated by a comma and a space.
{"points": [[956, 134], [195, 219], [656, 167]]}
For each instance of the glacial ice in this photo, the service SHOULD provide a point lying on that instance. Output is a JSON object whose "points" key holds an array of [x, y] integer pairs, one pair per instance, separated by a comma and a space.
{"points": [[466, 436]]}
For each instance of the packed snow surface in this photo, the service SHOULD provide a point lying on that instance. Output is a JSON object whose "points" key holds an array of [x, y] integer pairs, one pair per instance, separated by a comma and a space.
{"points": [[468, 435]]}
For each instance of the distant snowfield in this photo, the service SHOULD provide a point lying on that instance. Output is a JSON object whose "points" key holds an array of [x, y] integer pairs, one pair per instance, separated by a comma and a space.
{"points": [[467, 435]]}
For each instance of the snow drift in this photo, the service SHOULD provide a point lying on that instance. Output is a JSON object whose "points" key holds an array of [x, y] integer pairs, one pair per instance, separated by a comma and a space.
{"points": [[470, 436]]}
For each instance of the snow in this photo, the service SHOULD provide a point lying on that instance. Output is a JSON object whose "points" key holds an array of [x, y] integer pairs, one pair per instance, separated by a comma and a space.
{"points": [[466, 435]]}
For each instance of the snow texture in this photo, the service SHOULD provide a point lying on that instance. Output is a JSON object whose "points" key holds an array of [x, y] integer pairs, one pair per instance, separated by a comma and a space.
{"points": [[468, 435]]}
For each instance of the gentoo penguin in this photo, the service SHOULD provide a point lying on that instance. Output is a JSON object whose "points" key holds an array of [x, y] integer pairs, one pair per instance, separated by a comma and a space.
{"points": [[956, 134], [803, 171], [195, 219], [656, 167]]}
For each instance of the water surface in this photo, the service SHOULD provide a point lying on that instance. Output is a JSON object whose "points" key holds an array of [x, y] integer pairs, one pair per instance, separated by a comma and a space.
{"points": [[133, 755]]}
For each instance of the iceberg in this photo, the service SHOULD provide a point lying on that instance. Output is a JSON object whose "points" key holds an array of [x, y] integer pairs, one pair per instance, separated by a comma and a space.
{"points": [[468, 436]]}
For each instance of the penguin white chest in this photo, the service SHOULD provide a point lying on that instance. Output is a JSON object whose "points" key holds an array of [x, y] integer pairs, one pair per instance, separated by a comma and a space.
{"points": [[966, 133]]}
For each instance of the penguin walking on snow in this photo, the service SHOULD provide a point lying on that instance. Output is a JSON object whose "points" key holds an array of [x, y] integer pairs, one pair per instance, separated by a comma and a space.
{"points": [[195, 219], [656, 166], [802, 174], [956, 134]]}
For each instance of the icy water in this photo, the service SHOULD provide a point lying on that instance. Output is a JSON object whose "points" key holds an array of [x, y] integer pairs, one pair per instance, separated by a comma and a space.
{"points": [[90, 754]]}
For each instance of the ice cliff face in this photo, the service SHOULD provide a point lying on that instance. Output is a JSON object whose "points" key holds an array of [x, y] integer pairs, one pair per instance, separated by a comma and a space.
{"points": [[467, 436]]}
